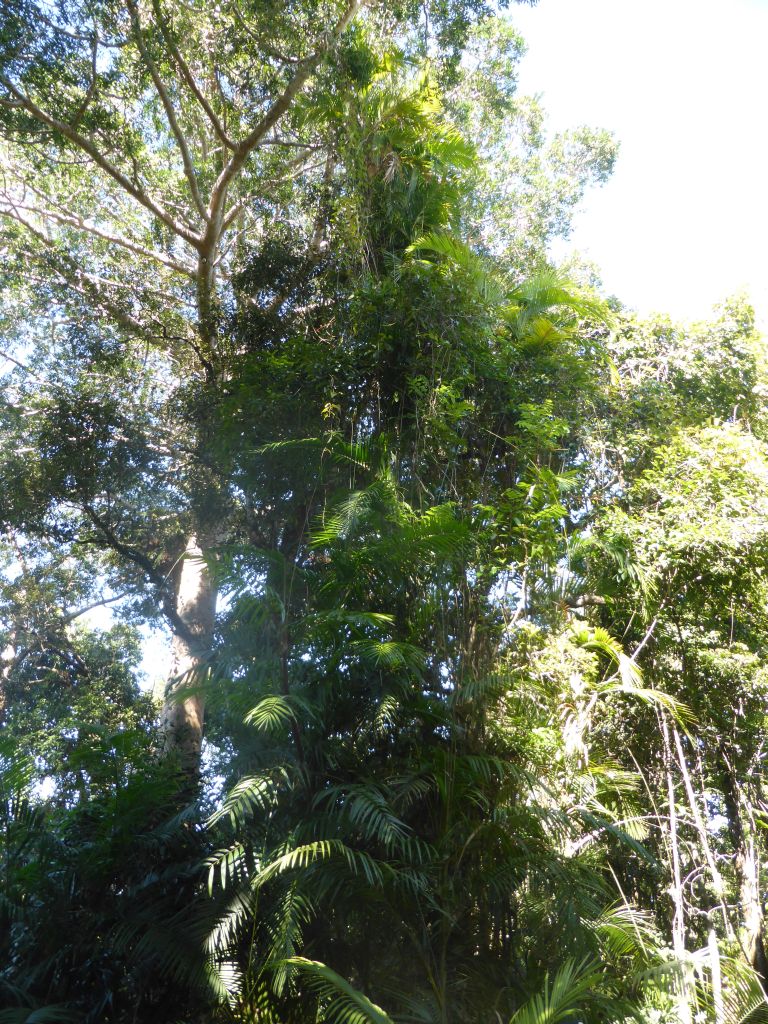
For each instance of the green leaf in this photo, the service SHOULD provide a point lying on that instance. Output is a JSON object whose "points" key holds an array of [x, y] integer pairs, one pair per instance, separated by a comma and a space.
{"points": [[346, 1005]]}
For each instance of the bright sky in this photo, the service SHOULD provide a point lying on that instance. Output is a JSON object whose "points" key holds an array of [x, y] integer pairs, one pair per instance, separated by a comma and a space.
{"points": [[683, 84]]}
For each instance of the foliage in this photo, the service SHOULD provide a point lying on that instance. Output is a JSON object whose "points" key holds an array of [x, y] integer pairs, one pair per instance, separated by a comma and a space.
{"points": [[484, 687]]}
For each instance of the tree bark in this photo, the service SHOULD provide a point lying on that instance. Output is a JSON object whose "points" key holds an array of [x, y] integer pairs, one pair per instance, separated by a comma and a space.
{"points": [[684, 1009], [747, 864], [701, 827], [716, 975], [182, 718], [7, 660], [748, 870]]}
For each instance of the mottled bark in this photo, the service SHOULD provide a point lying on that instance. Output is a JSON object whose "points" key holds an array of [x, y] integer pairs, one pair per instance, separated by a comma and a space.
{"points": [[181, 723], [748, 871], [747, 865]]}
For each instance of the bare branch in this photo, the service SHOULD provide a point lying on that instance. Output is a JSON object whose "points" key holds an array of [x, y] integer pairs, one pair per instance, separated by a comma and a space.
{"points": [[645, 639], [68, 617]]}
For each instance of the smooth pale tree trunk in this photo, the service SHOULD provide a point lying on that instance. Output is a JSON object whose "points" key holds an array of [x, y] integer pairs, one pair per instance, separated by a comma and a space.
{"points": [[181, 722], [684, 1010], [7, 659], [747, 864], [701, 827], [717, 978], [748, 869]]}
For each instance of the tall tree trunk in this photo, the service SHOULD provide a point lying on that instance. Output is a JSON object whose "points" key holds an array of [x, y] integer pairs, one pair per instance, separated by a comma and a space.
{"points": [[701, 827], [684, 1010], [181, 722], [717, 978], [7, 661], [747, 864], [748, 870]]}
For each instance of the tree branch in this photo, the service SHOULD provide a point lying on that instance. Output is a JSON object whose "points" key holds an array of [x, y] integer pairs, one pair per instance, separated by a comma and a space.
{"points": [[170, 113], [77, 279], [144, 563], [91, 92], [87, 146], [68, 617], [21, 366], [74, 220], [188, 77], [283, 102]]}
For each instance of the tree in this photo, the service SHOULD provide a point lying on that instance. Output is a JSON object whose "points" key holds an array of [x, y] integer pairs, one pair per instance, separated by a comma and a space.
{"points": [[142, 146], [283, 341], [679, 557], [148, 154]]}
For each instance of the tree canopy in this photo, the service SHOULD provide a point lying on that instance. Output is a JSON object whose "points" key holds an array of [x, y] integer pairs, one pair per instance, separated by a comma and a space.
{"points": [[463, 566]]}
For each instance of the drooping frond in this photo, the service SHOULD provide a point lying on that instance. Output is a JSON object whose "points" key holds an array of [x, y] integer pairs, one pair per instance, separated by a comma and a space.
{"points": [[250, 795], [344, 1004], [485, 283], [573, 987]]}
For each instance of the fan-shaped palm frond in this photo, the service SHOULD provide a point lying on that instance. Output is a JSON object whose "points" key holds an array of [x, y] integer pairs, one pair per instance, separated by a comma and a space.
{"points": [[551, 290]]}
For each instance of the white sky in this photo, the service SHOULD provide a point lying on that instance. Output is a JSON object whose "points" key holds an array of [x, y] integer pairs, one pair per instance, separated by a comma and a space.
{"points": [[683, 84]]}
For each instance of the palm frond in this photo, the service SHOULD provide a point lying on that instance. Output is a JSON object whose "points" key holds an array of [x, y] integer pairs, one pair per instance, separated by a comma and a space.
{"points": [[486, 284], [344, 1004], [54, 1014], [251, 794], [563, 996], [277, 710]]}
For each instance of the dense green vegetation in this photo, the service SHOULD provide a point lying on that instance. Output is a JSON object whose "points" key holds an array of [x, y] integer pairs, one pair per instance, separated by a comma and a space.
{"points": [[464, 567]]}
